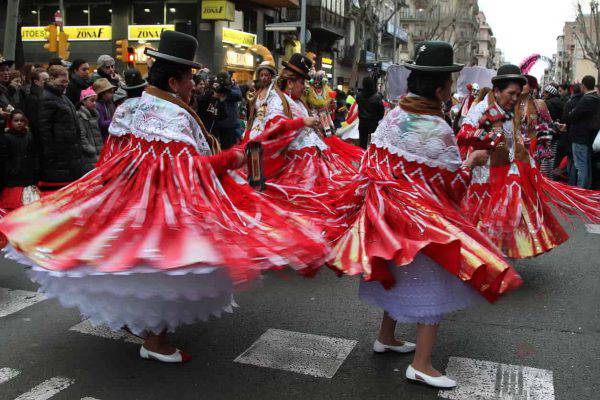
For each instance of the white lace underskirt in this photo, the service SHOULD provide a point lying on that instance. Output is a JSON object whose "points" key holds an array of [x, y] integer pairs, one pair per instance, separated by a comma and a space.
{"points": [[143, 301], [349, 131]]}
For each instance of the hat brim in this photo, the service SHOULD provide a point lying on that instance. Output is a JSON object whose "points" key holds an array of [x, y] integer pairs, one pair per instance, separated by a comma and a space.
{"points": [[167, 57], [141, 85], [106, 89], [512, 77], [10, 63], [295, 70], [427, 68], [269, 68]]}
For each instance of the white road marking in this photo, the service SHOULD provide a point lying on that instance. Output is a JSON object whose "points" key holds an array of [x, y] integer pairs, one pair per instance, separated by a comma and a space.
{"points": [[12, 301], [6, 374], [87, 328], [486, 380], [89, 398], [591, 228], [47, 389], [315, 355]]}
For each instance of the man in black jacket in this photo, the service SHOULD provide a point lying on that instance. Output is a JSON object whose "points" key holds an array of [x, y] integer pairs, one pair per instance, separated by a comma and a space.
{"points": [[370, 110], [584, 124], [39, 77], [59, 134], [6, 106]]}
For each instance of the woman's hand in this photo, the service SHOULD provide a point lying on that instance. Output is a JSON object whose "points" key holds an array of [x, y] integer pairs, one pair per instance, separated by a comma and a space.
{"points": [[310, 122], [240, 157], [477, 158]]}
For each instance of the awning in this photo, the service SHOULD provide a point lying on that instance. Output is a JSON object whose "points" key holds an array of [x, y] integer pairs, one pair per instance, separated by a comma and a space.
{"points": [[278, 3]]}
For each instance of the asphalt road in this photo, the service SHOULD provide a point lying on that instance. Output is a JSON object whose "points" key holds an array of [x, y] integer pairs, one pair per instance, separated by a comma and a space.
{"points": [[551, 323]]}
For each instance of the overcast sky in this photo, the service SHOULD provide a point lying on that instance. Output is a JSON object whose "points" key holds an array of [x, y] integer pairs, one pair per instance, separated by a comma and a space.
{"points": [[524, 27]]}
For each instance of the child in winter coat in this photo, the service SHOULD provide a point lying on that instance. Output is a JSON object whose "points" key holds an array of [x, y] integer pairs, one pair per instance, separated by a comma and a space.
{"points": [[18, 165], [91, 138], [104, 104]]}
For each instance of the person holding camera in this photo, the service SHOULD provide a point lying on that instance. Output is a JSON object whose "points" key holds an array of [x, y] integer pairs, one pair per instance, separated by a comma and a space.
{"points": [[226, 124]]}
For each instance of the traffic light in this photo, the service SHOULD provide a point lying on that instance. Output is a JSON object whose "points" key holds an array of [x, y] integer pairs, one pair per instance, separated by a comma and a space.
{"points": [[122, 50], [130, 56], [63, 45], [52, 45]]}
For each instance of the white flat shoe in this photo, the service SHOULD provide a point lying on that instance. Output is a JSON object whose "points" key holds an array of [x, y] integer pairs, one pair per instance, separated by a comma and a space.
{"points": [[407, 347], [177, 357], [440, 382]]}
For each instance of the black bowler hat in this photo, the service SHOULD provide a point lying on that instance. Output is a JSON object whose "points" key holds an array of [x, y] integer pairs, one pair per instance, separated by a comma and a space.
{"points": [[4, 61], [509, 72], [176, 47], [299, 65], [133, 79], [434, 56]]}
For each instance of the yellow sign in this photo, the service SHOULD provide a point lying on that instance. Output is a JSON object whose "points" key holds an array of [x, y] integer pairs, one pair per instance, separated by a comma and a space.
{"points": [[326, 60], [148, 32], [232, 36], [235, 59], [218, 10], [75, 33]]}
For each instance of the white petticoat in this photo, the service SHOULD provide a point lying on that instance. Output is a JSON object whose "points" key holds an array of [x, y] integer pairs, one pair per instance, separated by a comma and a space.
{"points": [[349, 131], [141, 300]]}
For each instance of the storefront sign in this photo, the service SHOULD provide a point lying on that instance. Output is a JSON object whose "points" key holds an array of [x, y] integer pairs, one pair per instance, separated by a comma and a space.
{"points": [[75, 33], [243, 60], [218, 10], [232, 36], [148, 32]]}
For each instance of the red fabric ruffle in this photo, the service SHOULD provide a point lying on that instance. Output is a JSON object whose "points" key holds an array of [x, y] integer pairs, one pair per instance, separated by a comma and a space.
{"points": [[402, 208], [161, 206]]}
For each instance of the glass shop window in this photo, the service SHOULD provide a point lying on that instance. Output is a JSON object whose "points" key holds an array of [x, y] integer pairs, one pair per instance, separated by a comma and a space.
{"points": [[100, 14], [187, 11], [47, 14], [77, 14], [149, 13], [30, 15]]}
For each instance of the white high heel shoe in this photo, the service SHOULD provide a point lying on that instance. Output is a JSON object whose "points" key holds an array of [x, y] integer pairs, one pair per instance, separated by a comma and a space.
{"points": [[177, 357], [440, 382], [407, 347]]}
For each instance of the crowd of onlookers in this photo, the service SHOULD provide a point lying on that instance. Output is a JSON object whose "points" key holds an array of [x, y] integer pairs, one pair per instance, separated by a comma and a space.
{"points": [[575, 110], [54, 121]]}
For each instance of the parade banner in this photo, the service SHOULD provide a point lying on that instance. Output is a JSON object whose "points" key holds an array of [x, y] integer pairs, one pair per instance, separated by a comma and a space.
{"points": [[75, 33], [234, 37], [147, 32]]}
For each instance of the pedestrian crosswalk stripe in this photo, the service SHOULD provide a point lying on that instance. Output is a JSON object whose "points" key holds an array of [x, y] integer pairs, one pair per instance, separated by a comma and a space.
{"points": [[6, 374], [89, 398], [304, 353], [486, 380], [12, 301], [47, 389], [87, 328], [593, 228]]}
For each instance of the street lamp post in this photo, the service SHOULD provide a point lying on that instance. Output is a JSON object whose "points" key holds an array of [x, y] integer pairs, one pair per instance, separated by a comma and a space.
{"points": [[10, 33], [303, 24]]}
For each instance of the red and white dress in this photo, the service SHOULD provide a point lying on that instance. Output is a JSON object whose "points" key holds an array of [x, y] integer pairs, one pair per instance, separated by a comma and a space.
{"points": [[512, 202], [304, 176], [406, 232], [159, 234]]}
